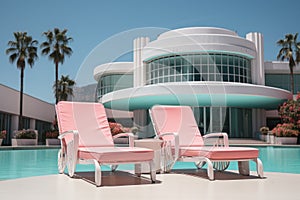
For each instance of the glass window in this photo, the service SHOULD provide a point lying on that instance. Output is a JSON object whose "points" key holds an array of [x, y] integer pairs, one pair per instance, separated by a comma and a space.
{"points": [[224, 60], [189, 59], [209, 67], [197, 77], [197, 69], [204, 77], [113, 82], [219, 69], [225, 77], [230, 60], [236, 61], [230, 70], [178, 70], [171, 61], [184, 70], [204, 59], [236, 71], [204, 69], [197, 60], [218, 59], [171, 78], [178, 61]]}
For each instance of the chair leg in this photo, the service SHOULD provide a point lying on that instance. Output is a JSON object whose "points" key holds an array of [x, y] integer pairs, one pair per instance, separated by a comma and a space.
{"points": [[71, 158], [210, 169], [138, 169], [244, 168], [114, 167], [152, 171], [98, 175], [71, 163], [259, 167], [61, 161]]}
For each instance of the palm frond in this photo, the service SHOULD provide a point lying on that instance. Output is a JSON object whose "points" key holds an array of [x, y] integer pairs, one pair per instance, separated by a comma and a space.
{"points": [[295, 37], [280, 42], [13, 57], [46, 50], [11, 50]]}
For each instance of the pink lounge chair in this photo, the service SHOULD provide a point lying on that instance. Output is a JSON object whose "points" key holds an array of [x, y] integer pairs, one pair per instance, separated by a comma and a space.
{"points": [[86, 139], [176, 125]]}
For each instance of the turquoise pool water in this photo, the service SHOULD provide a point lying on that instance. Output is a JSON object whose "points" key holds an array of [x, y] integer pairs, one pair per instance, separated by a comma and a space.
{"points": [[26, 163]]}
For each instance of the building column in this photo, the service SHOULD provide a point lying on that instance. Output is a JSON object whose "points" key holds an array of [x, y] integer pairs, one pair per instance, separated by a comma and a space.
{"points": [[258, 78], [32, 124], [14, 124], [257, 67], [258, 120], [139, 79], [139, 72]]}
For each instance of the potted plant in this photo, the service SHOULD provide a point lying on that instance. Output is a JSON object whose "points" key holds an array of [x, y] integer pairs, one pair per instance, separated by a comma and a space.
{"points": [[25, 137], [52, 138], [2, 136], [117, 128], [264, 132], [285, 133]]}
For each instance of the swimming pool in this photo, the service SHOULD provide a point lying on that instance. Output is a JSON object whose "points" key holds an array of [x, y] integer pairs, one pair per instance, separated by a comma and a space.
{"points": [[26, 163]]}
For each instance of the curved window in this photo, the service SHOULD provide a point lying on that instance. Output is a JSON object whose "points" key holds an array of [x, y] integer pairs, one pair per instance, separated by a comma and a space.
{"points": [[199, 67], [113, 82]]}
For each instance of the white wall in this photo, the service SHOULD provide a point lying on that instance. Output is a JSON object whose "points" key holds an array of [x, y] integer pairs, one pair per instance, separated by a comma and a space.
{"points": [[32, 107]]}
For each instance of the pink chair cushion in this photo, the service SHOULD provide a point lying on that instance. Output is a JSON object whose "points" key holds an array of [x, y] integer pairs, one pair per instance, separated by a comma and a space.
{"points": [[177, 119], [220, 153], [90, 121], [116, 154]]}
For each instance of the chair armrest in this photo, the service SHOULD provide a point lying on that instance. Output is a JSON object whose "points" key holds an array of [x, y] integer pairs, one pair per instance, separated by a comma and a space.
{"points": [[176, 142], [64, 134], [223, 135], [129, 135], [69, 144], [72, 142]]}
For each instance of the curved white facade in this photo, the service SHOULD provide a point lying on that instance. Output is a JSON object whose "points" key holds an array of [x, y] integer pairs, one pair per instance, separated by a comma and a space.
{"points": [[214, 70], [199, 39], [113, 68]]}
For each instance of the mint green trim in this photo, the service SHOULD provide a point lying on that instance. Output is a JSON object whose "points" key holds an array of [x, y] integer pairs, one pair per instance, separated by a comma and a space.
{"points": [[198, 100], [197, 52]]}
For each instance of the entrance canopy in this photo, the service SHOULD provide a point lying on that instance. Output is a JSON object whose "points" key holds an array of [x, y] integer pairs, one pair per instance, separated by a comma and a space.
{"points": [[197, 94]]}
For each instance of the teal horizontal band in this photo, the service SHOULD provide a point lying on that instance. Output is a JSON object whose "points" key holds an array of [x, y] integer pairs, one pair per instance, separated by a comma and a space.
{"points": [[196, 100], [198, 52]]}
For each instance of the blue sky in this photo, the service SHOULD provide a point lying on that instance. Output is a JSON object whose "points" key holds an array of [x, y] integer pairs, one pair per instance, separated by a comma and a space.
{"points": [[92, 22]]}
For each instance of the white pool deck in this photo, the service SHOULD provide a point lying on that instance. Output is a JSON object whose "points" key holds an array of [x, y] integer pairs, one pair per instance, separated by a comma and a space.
{"points": [[179, 184], [169, 186]]}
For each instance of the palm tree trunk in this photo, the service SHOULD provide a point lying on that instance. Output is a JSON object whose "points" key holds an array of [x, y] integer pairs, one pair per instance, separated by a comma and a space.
{"points": [[21, 100], [56, 82], [292, 79]]}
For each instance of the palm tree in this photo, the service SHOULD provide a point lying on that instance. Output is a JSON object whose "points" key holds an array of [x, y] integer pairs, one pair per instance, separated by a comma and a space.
{"points": [[23, 50], [290, 48], [56, 46], [65, 88]]}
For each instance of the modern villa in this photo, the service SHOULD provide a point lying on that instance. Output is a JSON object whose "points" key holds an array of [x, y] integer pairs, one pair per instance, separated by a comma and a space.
{"points": [[221, 75]]}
